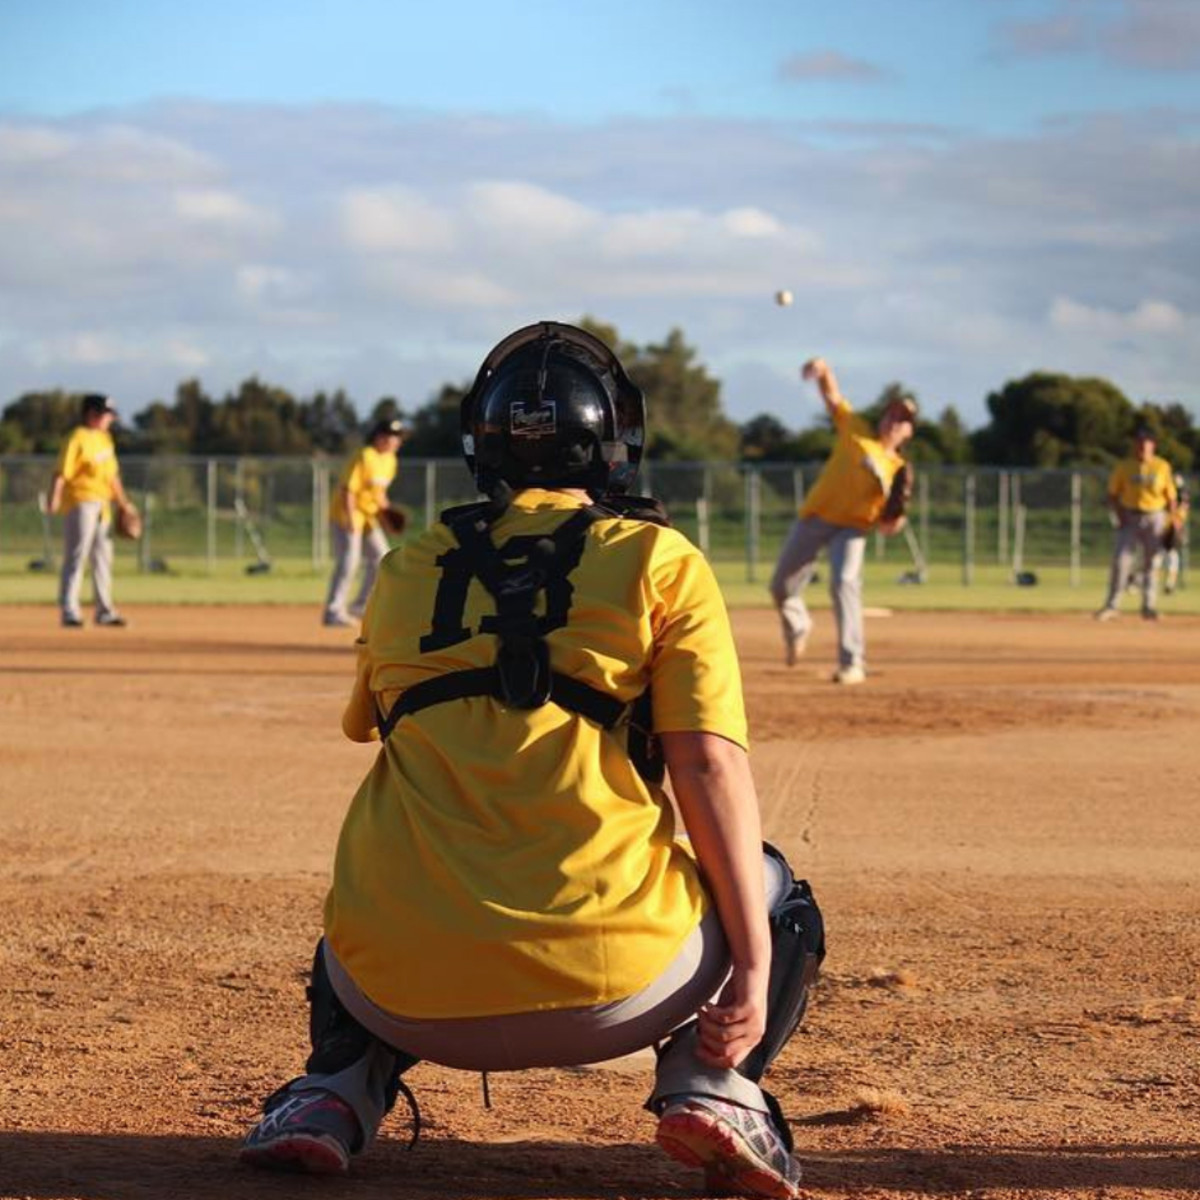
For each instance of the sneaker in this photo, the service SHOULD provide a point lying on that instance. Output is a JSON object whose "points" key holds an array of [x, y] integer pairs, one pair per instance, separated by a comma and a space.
{"points": [[849, 675], [1149, 614], [112, 620], [740, 1149], [338, 621], [72, 622], [1107, 613], [309, 1131], [793, 648]]}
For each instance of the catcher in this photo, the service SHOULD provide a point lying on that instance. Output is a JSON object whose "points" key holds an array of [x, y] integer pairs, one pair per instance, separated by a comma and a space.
{"points": [[86, 484], [360, 518], [864, 484], [508, 891]]}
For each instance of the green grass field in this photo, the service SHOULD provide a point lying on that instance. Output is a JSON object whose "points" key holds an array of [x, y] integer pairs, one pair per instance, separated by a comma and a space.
{"points": [[293, 581]]}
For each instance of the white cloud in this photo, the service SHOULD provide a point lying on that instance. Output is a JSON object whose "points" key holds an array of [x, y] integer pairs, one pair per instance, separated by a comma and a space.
{"points": [[217, 207], [394, 219], [524, 211], [1150, 316], [829, 65], [31, 144]]}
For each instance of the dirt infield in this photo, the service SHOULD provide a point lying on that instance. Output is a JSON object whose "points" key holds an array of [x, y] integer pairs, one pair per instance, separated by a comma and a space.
{"points": [[1002, 827]]}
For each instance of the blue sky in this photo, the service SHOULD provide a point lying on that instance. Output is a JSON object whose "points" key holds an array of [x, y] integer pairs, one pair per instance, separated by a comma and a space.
{"points": [[369, 194]]}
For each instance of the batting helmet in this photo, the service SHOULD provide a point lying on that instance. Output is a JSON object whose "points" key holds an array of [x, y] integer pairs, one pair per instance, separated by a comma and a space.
{"points": [[553, 407]]}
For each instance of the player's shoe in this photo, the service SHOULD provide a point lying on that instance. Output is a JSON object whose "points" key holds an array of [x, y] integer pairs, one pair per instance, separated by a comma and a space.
{"points": [[70, 621], [741, 1150], [111, 620], [1107, 613], [849, 675], [1149, 614], [308, 1131], [338, 621], [793, 648]]}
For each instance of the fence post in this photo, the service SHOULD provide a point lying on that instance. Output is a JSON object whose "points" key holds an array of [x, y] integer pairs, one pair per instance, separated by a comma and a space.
{"points": [[314, 483], [239, 487], [1015, 491], [753, 502], [923, 513], [1076, 525], [968, 571], [147, 521], [702, 531], [211, 473], [430, 493], [1002, 518], [798, 487]]}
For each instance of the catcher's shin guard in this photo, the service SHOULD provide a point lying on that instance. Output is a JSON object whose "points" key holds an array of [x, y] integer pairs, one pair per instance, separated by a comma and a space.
{"points": [[797, 950], [338, 1040]]}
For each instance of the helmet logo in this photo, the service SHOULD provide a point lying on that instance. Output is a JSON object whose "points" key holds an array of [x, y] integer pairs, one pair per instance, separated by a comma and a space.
{"points": [[533, 419]]}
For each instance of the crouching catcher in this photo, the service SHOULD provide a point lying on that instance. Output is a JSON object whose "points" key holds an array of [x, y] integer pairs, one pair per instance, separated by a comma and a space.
{"points": [[508, 889]]}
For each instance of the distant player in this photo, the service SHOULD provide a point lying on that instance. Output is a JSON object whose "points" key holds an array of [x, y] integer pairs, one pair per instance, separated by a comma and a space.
{"points": [[1142, 499], [858, 489], [86, 483], [354, 521], [1175, 538], [508, 891]]}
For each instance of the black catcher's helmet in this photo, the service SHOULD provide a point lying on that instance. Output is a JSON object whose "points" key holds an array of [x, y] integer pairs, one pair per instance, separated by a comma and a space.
{"points": [[553, 407]]}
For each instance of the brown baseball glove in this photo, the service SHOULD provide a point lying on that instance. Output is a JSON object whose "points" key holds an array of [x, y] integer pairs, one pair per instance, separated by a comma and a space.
{"points": [[393, 520], [128, 522], [896, 504]]}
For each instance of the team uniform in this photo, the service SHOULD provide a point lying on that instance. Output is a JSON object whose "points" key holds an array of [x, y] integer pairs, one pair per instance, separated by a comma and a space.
{"points": [[89, 471], [846, 501], [357, 535], [1142, 493], [508, 889]]}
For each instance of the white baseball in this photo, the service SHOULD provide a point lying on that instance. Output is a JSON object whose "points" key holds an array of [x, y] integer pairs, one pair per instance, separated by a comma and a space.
{"points": [[783, 299]]}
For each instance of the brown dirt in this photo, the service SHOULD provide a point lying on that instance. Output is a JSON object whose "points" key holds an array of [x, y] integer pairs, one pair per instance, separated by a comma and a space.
{"points": [[1002, 828]]}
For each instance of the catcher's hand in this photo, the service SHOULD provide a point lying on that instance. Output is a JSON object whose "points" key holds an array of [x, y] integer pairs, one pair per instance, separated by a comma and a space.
{"points": [[393, 520], [128, 522], [896, 504]]}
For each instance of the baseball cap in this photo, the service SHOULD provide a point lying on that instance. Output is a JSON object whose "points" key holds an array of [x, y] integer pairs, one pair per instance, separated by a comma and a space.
{"points": [[1143, 433], [96, 403], [392, 428]]}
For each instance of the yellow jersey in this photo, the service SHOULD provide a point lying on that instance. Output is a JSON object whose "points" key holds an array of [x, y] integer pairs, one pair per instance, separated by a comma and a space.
{"points": [[88, 466], [367, 477], [498, 861], [1142, 486], [853, 486]]}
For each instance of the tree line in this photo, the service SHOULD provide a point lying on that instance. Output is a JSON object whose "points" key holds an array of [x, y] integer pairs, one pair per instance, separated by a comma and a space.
{"points": [[1041, 420]]}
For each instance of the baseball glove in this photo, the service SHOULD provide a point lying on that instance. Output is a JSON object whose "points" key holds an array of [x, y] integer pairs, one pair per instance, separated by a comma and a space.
{"points": [[128, 522], [393, 520], [896, 504]]}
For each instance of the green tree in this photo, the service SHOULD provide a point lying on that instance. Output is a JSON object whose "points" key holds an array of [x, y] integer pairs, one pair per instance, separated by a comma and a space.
{"points": [[40, 421], [434, 431]]}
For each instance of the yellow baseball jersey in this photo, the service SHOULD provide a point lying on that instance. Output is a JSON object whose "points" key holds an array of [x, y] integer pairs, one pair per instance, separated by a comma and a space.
{"points": [[1143, 486], [853, 486], [499, 861], [88, 465], [367, 477]]}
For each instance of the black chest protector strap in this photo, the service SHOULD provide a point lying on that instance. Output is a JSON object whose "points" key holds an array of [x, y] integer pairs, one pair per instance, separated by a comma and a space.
{"points": [[514, 576]]}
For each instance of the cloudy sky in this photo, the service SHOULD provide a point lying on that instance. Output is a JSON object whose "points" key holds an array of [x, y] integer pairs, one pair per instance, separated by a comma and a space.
{"points": [[370, 193]]}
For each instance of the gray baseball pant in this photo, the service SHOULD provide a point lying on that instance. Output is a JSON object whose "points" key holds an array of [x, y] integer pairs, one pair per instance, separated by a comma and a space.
{"points": [[87, 538], [846, 548], [350, 547], [1137, 531], [556, 1037]]}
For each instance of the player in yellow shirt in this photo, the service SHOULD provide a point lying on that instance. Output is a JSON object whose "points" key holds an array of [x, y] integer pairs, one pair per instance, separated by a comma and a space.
{"points": [[508, 891], [845, 503], [86, 483], [1142, 499], [354, 521]]}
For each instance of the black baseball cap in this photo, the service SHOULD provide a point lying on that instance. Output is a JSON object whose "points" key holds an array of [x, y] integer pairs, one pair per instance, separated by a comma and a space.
{"points": [[96, 404], [392, 428], [1143, 433]]}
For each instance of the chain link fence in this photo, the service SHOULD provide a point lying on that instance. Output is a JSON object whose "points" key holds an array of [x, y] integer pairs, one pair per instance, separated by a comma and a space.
{"points": [[201, 512]]}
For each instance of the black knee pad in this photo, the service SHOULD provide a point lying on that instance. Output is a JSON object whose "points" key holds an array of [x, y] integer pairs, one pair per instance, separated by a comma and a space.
{"points": [[797, 950]]}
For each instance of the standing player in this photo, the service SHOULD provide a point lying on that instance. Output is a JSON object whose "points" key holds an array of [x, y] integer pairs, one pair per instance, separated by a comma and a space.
{"points": [[85, 485], [1142, 499], [508, 892], [860, 487], [1175, 538], [354, 519]]}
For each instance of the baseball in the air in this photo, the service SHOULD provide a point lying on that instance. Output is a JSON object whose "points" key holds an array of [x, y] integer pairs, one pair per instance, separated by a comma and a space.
{"points": [[783, 299]]}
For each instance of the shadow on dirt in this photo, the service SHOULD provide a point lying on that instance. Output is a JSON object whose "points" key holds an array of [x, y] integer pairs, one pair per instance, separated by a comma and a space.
{"points": [[132, 1167]]}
